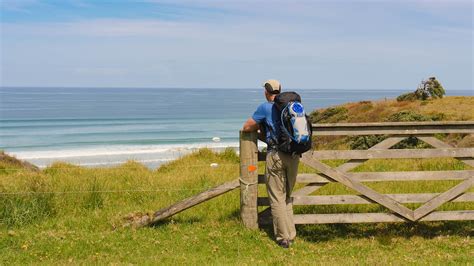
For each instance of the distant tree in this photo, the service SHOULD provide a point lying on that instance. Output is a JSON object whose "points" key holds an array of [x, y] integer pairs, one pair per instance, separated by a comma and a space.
{"points": [[435, 88], [430, 88]]}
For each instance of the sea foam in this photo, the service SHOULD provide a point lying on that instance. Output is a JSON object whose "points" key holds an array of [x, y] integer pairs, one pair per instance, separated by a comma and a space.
{"points": [[150, 155]]}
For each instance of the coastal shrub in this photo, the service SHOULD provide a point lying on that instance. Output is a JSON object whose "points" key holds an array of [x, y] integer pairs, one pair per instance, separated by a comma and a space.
{"points": [[435, 88], [329, 115], [410, 116], [365, 106], [427, 89], [365, 142], [410, 96]]}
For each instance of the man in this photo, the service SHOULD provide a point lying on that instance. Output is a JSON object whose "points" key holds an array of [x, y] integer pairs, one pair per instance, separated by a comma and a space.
{"points": [[281, 168]]}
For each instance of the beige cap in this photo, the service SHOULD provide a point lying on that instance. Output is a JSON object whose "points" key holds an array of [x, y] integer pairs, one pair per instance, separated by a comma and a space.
{"points": [[273, 86]]}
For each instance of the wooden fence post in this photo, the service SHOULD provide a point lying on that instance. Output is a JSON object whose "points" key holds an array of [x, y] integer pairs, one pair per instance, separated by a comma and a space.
{"points": [[249, 179]]}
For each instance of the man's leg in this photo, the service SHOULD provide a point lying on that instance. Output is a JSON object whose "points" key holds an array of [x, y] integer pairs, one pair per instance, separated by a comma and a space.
{"points": [[276, 188], [291, 171]]}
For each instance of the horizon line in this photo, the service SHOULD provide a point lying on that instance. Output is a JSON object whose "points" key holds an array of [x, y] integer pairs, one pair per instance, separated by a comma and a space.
{"points": [[197, 88]]}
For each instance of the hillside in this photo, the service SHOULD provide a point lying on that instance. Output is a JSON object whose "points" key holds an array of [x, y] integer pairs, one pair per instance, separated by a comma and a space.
{"points": [[7, 161], [453, 108], [66, 214]]}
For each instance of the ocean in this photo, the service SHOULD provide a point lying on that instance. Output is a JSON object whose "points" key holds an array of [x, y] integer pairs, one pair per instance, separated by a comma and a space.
{"points": [[108, 126]]}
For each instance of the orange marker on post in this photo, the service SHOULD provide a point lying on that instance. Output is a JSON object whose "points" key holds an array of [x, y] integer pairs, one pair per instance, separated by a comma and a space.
{"points": [[252, 168]]}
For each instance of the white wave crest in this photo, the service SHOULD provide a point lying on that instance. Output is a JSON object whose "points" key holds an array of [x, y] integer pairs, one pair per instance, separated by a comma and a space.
{"points": [[122, 150]]}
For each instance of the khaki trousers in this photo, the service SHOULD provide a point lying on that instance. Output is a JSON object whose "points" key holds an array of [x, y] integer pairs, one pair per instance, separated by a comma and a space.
{"points": [[280, 176]]}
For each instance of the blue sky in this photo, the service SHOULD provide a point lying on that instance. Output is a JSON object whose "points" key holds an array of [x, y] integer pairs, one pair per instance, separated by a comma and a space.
{"points": [[236, 44]]}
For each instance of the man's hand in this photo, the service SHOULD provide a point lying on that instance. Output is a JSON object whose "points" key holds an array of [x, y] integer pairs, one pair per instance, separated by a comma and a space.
{"points": [[250, 126]]}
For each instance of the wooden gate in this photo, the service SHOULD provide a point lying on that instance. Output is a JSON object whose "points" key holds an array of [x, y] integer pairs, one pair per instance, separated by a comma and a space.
{"points": [[325, 174]]}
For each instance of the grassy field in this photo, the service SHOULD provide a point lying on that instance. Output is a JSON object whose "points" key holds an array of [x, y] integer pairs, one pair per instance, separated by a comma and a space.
{"points": [[76, 215]]}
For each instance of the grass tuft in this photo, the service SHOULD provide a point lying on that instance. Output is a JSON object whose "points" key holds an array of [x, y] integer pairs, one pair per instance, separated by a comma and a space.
{"points": [[94, 199], [30, 203]]}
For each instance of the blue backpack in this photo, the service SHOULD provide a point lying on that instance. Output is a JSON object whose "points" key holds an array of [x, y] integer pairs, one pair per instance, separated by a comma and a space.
{"points": [[295, 128]]}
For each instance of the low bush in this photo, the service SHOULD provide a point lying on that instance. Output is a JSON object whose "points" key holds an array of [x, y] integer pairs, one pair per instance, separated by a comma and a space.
{"points": [[329, 115]]}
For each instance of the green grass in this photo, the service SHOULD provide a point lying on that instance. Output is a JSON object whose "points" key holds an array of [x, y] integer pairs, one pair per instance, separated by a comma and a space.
{"points": [[83, 224]]}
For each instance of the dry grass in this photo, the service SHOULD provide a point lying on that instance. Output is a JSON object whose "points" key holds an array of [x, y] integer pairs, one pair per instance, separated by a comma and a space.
{"points": [[455, 108]]}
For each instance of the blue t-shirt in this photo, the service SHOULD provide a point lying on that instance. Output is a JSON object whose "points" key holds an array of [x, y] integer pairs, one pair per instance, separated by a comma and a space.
{"points": [[268, 115]]}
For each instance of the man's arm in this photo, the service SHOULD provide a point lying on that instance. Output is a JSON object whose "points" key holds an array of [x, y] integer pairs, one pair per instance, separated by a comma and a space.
{"points": [[250, 125], [254, 122]]}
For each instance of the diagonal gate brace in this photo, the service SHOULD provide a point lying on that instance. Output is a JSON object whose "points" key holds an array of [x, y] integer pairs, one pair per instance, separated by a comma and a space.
{"points": [[350, 182], [193, 201], [442, 198]]}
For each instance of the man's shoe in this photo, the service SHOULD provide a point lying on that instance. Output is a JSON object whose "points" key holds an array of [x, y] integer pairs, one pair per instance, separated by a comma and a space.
{"points": [[284, 243]]}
